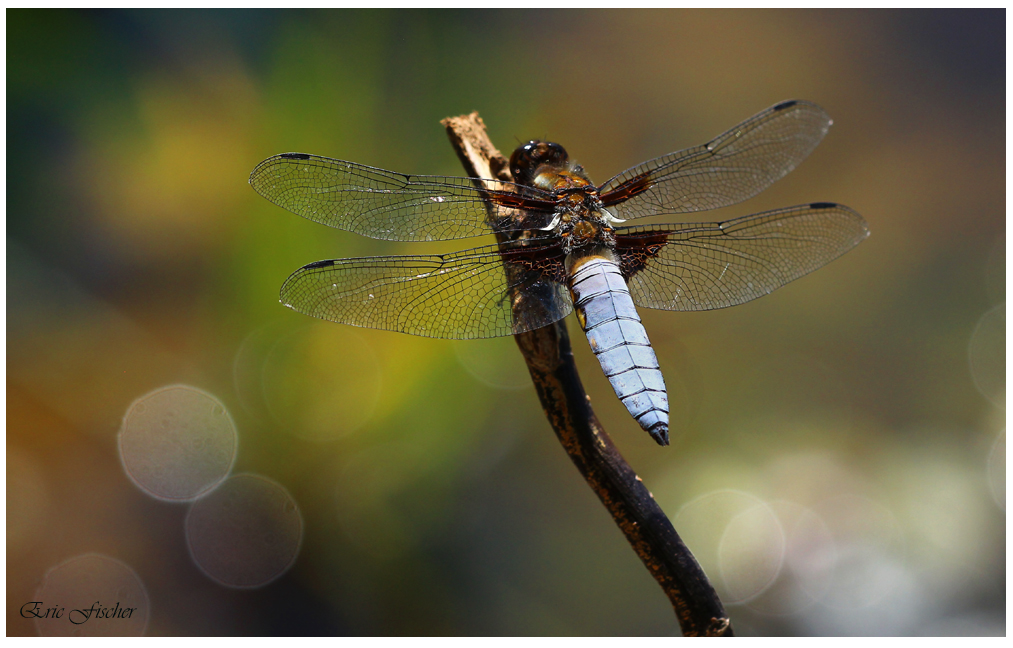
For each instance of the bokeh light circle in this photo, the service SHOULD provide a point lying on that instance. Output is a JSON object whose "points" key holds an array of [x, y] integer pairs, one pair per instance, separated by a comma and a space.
{"points": [[748, 553], [177, 442], [811, 554], [100, 597], [809, 559], [246, 533], [987, 355], [248, 365], [736, 535]]}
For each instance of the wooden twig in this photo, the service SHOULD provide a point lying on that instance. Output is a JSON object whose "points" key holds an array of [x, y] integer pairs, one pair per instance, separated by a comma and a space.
{"points": [[550, 361]]}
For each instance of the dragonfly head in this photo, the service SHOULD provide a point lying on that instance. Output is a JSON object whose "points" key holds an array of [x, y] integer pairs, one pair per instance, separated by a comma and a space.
{"points": [[528, 158]]}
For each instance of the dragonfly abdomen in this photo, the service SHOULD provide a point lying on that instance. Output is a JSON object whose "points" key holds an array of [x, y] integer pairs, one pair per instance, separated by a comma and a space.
{"points": [[610, 321]]}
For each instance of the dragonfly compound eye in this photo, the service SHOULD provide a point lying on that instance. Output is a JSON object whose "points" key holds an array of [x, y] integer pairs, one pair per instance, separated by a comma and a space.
{"points": [[528, 157]]}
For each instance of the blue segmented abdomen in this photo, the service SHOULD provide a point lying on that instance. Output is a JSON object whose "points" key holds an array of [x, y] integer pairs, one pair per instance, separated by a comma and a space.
{"points": [[610, 321]]}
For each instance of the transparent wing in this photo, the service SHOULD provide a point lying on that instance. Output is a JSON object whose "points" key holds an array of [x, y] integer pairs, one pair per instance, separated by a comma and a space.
{"points": [[460, 296], [690, 267], [391, 206], [729, 169]]}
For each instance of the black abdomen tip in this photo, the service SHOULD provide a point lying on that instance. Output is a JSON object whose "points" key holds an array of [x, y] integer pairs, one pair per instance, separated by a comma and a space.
{"points": [[659, 432]]}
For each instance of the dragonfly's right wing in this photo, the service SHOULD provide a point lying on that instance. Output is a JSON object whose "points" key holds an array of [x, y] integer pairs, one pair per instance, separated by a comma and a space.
{"points": [[702, 266], [730, 168]]}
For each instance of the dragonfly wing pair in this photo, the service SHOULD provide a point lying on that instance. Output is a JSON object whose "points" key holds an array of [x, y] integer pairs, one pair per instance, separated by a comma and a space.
{"points": [[471, 294], [380, 204]]}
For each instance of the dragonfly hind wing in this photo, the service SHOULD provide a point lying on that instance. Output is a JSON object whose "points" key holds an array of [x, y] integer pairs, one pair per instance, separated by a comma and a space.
{"points": [[690, 267], [463, 295]]}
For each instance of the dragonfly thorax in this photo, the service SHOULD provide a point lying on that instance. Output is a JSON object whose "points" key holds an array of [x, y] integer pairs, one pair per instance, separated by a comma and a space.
{"points": [[581, 228]]}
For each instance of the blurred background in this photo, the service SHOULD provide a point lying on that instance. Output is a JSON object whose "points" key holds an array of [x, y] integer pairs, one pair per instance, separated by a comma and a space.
{"points": [[177, 438]]}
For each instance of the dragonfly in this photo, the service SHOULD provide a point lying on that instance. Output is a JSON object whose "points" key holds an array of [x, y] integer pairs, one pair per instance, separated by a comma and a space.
{"points": [[563, 245]]}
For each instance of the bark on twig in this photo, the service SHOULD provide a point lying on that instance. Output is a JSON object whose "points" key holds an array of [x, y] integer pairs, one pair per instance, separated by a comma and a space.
{"points": [[550, 361]]}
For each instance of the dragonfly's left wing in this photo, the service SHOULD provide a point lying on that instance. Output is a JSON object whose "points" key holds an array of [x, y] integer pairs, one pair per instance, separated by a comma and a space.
{"points": [[396, 207], [702, 266], [484, 292]]}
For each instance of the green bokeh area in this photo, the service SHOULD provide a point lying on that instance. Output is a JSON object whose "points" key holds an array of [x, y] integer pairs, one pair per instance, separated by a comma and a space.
{"points": [[849, 428]]}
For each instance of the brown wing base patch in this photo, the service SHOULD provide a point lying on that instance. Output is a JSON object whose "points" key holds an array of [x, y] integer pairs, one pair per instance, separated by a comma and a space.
{"points": [[636, 250], [545, 261]]}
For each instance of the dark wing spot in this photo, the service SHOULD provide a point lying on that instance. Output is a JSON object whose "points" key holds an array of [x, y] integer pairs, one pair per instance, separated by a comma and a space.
{"points": [[785, 104], [319, 264], [294, 156], [822, 205]]}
